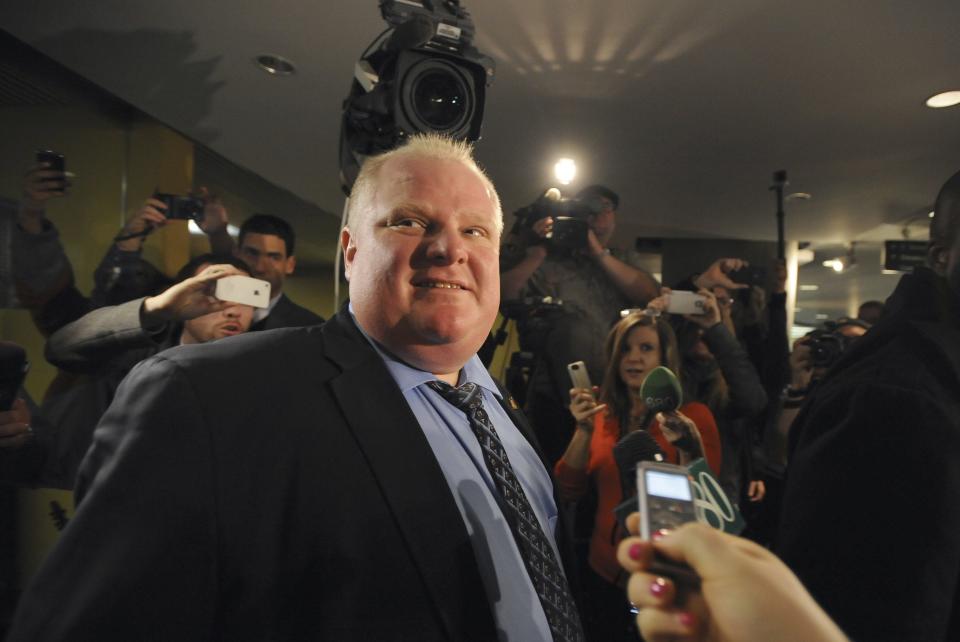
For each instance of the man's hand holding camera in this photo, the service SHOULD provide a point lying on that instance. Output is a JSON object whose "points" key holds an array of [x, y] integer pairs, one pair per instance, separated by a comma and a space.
{"points": [[187, 299], [801, 364], [40, 184], [155, 213]]}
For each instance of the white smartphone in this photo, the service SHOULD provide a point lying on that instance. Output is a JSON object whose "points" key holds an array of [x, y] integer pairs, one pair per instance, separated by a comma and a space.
{"points": [[244, 290], [579, 375], [684, 302]]}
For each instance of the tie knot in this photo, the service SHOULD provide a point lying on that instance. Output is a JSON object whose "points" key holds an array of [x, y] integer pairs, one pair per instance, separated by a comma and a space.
{"points": [[460, 396]]}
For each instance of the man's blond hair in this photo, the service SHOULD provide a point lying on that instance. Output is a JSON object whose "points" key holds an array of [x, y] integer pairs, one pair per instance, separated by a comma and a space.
{"points": [[428, 146]]}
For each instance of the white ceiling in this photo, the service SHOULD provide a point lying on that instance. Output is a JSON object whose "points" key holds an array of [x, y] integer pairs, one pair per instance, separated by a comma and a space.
{"points": [[685, 107]]}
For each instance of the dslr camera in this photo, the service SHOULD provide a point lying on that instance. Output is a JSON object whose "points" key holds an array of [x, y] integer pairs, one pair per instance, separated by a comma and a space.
{"points": [[827, 344], [187, 208], [570, 220]]}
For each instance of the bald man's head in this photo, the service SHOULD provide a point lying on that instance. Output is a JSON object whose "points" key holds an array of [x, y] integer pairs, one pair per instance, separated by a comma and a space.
{"points": [[944, 253]]}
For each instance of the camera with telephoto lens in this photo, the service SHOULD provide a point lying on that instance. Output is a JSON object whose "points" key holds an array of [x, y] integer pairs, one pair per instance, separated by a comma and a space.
{"points": [[570, 220], [184, 208], [423, 74]]}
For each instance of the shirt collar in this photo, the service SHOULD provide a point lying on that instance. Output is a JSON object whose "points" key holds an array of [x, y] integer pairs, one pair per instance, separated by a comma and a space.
{"points": [[408, 377]]}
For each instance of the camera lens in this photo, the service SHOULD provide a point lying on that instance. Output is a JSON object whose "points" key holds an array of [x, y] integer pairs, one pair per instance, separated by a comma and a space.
{"points": [[439, 99], [437, 96]]}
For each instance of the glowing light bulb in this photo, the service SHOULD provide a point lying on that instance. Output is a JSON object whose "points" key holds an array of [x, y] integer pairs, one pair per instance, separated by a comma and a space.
{"points": [[565, 170]]}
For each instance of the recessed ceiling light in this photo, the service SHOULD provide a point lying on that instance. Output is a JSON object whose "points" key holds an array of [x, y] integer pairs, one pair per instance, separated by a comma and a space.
{"points": [[945, 99], [275, 65], [810, 287], [565, 170]]}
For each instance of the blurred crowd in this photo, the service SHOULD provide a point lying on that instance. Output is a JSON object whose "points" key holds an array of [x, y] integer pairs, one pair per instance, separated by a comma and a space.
{"points": [[809, 444]]}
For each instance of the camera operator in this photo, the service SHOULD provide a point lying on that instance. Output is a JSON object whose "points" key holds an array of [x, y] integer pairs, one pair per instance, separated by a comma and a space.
{"points": [[594, 282], [870, 522]]}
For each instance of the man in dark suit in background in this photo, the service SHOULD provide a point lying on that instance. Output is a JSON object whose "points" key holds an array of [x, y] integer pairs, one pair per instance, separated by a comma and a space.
{"points": [[266, 244], [870, 521], [349, 497]]}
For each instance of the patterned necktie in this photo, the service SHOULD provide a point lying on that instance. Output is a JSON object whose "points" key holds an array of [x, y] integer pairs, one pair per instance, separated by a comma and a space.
{"points": [[535, 548]]}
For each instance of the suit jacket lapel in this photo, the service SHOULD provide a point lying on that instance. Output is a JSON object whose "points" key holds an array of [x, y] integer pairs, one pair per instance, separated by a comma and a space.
{"points": [[411, 481]]}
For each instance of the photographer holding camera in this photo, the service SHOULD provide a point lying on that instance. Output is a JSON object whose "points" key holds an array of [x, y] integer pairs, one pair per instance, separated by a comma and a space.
{"points": [[123, 275], [594, 282], [812, 356]]}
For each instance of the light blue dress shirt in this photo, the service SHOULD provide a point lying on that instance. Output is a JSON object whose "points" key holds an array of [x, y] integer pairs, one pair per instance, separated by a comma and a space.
{"points": [[519, 615]]}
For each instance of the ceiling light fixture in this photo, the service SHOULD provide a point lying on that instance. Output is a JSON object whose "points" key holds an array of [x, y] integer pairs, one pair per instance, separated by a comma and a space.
{"points": [[843, 263], [944, 99], [565, 170], [275, 65]]}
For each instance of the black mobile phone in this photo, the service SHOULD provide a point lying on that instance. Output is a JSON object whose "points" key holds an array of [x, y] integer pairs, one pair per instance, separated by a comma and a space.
{"points": [[750, 275], [666, 498], [56, 160]]}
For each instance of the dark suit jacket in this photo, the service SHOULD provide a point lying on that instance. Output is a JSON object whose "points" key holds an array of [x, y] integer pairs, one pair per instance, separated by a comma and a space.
{"points": [[871, 512], [270, 486], [287, 314]]}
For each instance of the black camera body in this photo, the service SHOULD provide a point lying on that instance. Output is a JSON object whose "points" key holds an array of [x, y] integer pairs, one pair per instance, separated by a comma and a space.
{"points": [[421, 75], [826, 347], [184, 208], [571, 221]]}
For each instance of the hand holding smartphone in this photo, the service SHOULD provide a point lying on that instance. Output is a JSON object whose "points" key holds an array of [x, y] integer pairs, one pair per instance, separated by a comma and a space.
{"points": [[579, 375], [685, 302]]}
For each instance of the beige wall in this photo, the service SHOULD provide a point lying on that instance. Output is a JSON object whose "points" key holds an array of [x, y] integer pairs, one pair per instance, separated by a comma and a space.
{"points": [[101, 151]]}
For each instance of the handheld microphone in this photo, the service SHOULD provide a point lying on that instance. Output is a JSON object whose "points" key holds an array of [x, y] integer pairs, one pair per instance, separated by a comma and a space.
{"points": [[13, 370], [635, 447], [627, 453], [661, 391]]}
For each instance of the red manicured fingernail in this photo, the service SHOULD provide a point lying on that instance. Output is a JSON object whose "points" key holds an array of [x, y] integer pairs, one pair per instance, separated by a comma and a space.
{"points": [[635, 551], [660, 534], [686, 619], [658, 587]]}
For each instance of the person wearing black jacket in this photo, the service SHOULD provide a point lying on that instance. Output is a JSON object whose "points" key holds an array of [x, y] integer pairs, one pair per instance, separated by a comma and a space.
{"points": [[95, 352], [870, 522]]}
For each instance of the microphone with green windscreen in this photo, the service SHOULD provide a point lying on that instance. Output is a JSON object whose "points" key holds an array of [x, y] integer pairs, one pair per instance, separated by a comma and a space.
{"points": [[661, 391]]}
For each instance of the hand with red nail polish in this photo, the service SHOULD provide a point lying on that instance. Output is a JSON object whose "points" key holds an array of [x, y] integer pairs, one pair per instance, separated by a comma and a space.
{"points": [[747, 594]]}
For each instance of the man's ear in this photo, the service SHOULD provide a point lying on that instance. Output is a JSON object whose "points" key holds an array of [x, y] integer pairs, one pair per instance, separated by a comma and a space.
{"points": [[349, 248], [937, 257], [290, 265]]}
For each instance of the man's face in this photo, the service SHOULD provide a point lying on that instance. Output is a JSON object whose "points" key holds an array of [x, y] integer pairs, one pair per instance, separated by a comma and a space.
{"points": [[422, 262], [266, 254], [232, 320], [604, 222], [217, 325]]}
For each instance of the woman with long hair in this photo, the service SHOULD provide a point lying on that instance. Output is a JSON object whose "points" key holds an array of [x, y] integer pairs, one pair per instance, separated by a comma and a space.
{"points": [[636, 345]]}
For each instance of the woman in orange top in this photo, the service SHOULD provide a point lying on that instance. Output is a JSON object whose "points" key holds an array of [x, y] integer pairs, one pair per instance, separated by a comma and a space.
{"points": [[635, 346]]}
